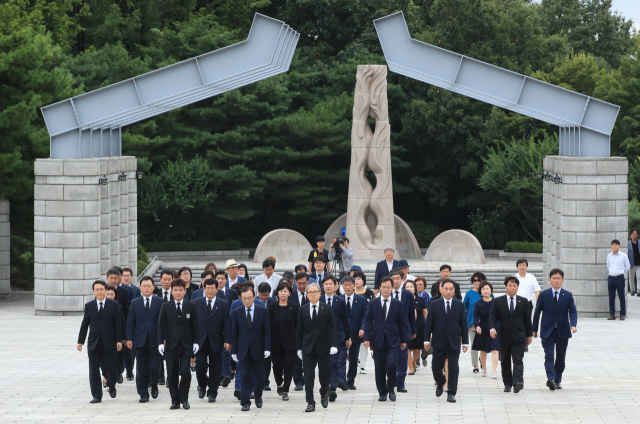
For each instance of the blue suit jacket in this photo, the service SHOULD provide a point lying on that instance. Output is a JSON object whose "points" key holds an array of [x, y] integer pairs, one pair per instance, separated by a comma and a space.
{"points": [[136, 292], [358, 315], [441, 327], [564, 316], [409, 309], [215, 324], [294, 298], [140, 326], [339, 307], [254, 341], [376, 327], [270, 300], [228, 296], [382, 270]]}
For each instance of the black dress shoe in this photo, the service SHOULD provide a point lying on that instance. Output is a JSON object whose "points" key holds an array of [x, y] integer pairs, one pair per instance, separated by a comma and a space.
{"points": [[383, 397], [451, 398], [162, 382], [233, 375], [246, 407], [507, 388], [299, 388], [401, 390], [119, 379], [144, 399], [350, 386], [112, 393], [439, 390], [557, 385], [526, 348], [175, 405], [332, 396], [310, 408], [212, 398], [551, 385], [154, 392], [266, 388], [95, 400], [201, 394], [225, 381], [237, 394], [324, 401], [193, 369], [186, 405], [517, 387], [342, 385], [198, 389], [166, 384], [258, 403], [253, 396], [476, 370], [392, 396], [129, 376], [285, 396]]}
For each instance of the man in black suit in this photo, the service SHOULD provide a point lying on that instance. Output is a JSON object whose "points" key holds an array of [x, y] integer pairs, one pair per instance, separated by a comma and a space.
{"points": [[383, 268], [102, 320], [299, 297], [316, 340], [142, 330], [164, 292], [178, 334], [446, 325], [445, 273], [215, 335], [512, 315], [114, 278], [386, 331], [356, 306], [409, 309], [250, 345]]}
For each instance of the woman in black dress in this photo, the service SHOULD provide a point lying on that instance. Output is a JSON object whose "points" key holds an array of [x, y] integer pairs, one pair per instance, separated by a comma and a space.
{"points": [[483, 341], [112, 293], [284, 318], [421, 315]]}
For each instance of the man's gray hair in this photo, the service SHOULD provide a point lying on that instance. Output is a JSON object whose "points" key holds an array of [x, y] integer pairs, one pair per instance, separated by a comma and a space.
{"points": [[347, 278], [313, 285]]}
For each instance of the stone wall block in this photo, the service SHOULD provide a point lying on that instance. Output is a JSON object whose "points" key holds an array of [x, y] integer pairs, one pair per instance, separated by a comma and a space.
{"points": [[613, 192]]}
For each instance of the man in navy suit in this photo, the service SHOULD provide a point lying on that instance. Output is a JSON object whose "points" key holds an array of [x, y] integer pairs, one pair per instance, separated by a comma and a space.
{"points": [[264, 294], [559, 320], [383, 268], [409, 309], [446, 325], [319, 273], [356, 306], [142, 334], [250, 344], [299, 297], [385, 330], [200, 292], [215, 335], [339, 361]]}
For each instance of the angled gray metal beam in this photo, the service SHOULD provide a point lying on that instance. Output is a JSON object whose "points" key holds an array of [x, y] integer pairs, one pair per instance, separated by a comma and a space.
{"points": [[90, 124], [593, 118]]}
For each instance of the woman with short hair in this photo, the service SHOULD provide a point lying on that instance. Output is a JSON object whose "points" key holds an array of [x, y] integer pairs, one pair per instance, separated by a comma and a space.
{"points": [[483, 341], [283, 316]]}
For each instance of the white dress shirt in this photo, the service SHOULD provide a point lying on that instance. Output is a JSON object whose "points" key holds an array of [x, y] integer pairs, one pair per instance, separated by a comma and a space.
{"points": [[300, 297], [349, 300], [144, 300], [311, 309], [449, 303], [213, 302], [618, 264], [168, 292], [382, 299], [98, 302], [399, 292], [250, 311], [390, 265], [528, 286], [179, 304]]}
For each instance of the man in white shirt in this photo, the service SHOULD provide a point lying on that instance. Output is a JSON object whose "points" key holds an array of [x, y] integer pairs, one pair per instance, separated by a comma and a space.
{"points": [[268, 276], [618, 266], [529, 287]]}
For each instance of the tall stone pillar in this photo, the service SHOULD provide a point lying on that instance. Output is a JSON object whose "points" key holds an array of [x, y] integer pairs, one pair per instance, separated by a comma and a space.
{"points": [[132, 211], [5, 232], [580, 218], [75, 239], [370, 218]]}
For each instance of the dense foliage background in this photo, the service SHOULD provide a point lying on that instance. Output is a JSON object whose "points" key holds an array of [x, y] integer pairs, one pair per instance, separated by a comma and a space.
{"points": [[276, 153]]}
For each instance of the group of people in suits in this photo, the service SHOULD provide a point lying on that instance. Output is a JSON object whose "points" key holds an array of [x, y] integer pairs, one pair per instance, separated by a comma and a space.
{"points": [[300, 325]]}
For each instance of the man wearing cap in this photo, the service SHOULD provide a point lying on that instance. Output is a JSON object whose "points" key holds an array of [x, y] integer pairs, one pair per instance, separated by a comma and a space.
{"points": [[384, 267], [404, 268]]}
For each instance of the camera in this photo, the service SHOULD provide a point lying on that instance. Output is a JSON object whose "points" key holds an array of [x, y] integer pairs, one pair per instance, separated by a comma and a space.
{"points": [[337, 245]]}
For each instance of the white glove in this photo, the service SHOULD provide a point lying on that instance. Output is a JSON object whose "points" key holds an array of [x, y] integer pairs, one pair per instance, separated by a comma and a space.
{"points": [[266, 354], [333, 351], [234, 357], [300, 354], [196, 348], [161, 349]]}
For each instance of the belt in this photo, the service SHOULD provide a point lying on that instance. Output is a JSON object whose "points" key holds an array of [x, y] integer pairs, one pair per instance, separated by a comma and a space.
{"points": [[616, 276]]}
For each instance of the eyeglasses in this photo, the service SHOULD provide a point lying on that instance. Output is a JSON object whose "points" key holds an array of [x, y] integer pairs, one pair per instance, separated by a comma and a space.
{"points": [[556, 279], [313, 292], [476, 280]]}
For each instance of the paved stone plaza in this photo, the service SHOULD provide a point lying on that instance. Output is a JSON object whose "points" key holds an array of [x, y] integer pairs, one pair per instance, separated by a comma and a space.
{"points": [[43, 379]]}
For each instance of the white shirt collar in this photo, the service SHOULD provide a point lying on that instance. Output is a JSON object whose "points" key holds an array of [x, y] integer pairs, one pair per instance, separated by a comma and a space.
{"points": [[103, 301], [150, 298], [179, 303], [210, 300]]}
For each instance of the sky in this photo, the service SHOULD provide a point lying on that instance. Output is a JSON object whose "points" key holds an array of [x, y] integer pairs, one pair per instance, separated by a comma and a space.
{"points": [[630, 9]]}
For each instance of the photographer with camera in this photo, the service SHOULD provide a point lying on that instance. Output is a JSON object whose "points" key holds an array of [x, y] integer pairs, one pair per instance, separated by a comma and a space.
{"points": [[340, 248]]}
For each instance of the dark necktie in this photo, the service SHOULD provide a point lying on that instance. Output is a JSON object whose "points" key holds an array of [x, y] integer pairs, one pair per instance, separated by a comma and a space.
{"points": [[303, 300], [448, 308], [384, 309], [314, 314], [100, 309], [249, 318], [165, 296], [179, 310], [209, 305], [397, 294], [349, 305], [511, 308], [329, 301], [147, 307], [555, 297]]}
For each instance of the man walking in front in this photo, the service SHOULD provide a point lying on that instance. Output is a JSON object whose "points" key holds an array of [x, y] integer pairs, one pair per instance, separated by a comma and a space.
{"points": [[409, 312], [618, 266], [444, 329], [512, 314], [356, 306], [559, 320]]}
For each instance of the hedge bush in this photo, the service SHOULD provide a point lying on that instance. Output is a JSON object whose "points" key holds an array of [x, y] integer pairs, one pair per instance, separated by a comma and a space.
{"points": [[525, 247], [191, 246]]}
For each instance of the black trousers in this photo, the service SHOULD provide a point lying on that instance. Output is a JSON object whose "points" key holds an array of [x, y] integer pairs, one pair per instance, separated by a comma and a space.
{"points": [[283, 363], [309, 363], [249, 364], [386, 365], [354, 356], [147, 367], [437, 365], [298, 375], [179, 372], [128, 358], [106, 359], [511, 352], [206, 358], [267, 370], [161, 366]]}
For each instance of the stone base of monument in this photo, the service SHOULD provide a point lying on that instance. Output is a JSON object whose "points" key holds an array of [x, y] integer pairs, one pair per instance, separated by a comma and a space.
{"points": [[82, 227], [5, 232], [285, 245]]}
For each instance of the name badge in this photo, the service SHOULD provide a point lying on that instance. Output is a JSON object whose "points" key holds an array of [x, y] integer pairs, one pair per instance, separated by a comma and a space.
{"points": [[188, 316]]}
